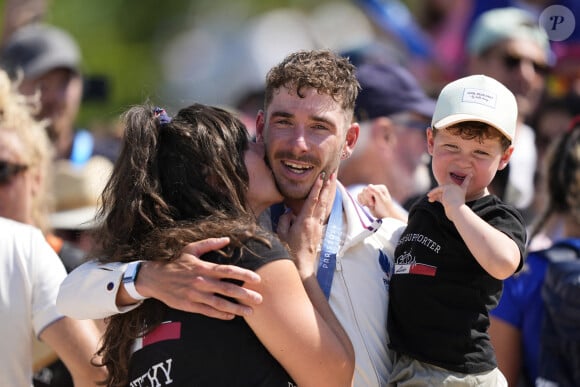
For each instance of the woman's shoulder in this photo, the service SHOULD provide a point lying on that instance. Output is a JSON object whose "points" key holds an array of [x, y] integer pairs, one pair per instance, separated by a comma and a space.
{"points": [[258, 252]]}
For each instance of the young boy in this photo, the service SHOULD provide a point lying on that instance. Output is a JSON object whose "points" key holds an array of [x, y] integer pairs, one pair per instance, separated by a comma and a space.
{"points": [[460, 243]]}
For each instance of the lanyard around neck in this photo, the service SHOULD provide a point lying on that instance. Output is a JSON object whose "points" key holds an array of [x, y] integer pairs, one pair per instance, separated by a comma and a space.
{"points": [[330, 243], [330, 246]]}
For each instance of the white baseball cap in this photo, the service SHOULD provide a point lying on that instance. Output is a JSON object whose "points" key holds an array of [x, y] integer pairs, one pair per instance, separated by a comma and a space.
{"points": [[477, 98]]}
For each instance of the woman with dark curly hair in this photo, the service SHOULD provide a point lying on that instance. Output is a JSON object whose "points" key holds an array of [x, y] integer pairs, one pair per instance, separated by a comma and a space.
{"points": [[197, 176]]}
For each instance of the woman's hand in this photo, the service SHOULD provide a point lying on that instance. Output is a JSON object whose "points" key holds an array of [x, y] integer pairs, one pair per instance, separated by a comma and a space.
{"points": [[303, 232]]}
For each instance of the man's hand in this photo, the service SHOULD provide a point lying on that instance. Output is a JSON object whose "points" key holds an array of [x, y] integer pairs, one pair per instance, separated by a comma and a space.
{"points": [[193, 285]]}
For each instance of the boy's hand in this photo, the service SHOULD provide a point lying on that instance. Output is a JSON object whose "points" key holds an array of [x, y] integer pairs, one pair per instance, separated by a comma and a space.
{"points": [[377, 198], [451, 195]]}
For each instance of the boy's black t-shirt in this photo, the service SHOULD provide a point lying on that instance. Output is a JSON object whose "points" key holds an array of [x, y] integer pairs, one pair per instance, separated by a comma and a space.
{"points": [[194, 350], [439, 294]]}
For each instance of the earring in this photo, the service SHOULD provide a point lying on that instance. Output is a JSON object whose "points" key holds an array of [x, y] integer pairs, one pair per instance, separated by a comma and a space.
{"points": [[344, 155]]}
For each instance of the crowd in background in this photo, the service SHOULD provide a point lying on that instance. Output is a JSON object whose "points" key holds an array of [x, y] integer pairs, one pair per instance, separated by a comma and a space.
{"points": [[405, 52]]}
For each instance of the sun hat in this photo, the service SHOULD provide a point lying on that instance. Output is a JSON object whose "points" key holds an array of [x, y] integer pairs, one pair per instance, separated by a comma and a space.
{"points": [[77, 189], [38, 48], [387, 88], [477, 98]]}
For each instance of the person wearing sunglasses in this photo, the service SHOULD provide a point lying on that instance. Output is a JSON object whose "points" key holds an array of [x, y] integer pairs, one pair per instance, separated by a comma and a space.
{"points": [[393, 112], [30, 270], [509, 45], [8, 170]]}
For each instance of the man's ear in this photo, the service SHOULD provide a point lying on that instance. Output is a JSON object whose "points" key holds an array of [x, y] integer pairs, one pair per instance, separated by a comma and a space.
{"points": [[260, 125], [352, 134], [505, 158]]}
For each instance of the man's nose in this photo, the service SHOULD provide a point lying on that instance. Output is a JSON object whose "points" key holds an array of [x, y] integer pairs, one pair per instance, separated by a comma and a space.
{"points": [[299, 140]]}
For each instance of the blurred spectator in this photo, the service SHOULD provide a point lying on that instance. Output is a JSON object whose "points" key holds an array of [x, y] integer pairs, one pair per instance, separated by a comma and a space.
{"points": [[31, 275], [76, 192], [445, 23], [430, 33], [508, 44], [25, 155], [26, 196], [394, 113], [551, 119], [25, 158], [21, 12], [516, 322], [49, 61]]}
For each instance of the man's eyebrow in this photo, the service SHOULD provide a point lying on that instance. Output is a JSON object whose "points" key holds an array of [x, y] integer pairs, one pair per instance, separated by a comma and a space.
{"points": [[281, 114], [322, 119]]}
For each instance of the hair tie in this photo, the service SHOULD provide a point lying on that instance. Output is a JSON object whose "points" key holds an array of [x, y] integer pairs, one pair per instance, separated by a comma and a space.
{"points": [[161, 114]]}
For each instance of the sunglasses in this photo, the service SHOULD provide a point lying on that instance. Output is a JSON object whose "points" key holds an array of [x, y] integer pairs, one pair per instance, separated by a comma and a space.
{"points": [[511, 62], [8, 170]]}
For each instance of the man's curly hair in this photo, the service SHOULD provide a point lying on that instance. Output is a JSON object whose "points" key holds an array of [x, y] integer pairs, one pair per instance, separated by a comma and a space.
{"points": [[322, 70]]}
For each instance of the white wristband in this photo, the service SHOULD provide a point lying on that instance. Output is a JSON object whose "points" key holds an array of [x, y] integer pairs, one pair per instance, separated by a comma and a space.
{"points": [[129, 278]]}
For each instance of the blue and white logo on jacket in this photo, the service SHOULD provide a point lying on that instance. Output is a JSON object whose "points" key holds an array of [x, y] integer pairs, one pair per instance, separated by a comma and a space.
{"points": [[386, 267]]}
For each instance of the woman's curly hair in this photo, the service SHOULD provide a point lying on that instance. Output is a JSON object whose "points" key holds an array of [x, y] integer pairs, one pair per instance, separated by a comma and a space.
{"points": [[174, 183]]}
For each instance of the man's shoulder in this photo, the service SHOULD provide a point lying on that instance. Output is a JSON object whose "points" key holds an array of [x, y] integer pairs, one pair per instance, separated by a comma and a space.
{"points": [[391, 227], [387, 235]]}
